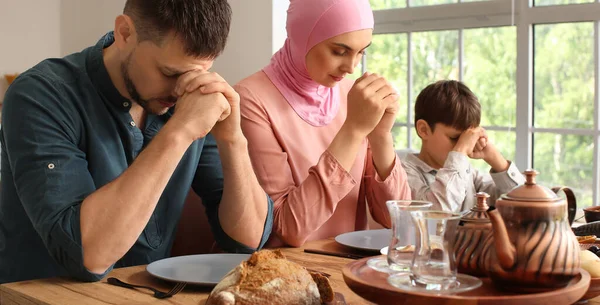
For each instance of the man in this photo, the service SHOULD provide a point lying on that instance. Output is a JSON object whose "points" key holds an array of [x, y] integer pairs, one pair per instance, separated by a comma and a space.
{"points": [[100, 148]]}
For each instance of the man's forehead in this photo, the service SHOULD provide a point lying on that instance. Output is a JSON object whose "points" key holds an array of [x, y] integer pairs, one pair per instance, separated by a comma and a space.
{"points": [[185, 65], [171, 54]]}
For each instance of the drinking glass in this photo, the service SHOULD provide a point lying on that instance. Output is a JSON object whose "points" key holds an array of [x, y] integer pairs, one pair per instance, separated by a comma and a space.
{"points": [[402, 240], [434, 263], [433, 268]]}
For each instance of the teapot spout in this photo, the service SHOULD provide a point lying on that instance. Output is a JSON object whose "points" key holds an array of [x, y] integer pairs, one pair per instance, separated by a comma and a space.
{"points": [[505, 250]]}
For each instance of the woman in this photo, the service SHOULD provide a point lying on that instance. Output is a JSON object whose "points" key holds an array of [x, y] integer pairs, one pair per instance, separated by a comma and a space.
{"points": [[320, 145]]}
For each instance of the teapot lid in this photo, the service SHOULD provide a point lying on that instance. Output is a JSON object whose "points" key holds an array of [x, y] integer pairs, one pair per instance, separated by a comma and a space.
{"points": [[478, 212], [531, 191]]}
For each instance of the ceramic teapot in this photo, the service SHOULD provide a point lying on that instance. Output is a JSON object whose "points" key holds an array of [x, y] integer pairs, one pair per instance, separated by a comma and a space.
{"points": [[473, 229], [532, 247]]}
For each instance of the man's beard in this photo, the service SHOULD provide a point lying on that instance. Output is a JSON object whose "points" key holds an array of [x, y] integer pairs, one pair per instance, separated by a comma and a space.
{"points": [[133, 92]]}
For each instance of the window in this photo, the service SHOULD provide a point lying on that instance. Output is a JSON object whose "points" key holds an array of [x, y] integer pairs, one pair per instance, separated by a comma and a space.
{"points": [[387, 4], [563, 100], [385, 56], [560, 2], [533, 64]]}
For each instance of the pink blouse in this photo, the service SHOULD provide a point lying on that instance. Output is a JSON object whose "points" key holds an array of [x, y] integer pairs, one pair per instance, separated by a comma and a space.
{"points": [[314, 196]]}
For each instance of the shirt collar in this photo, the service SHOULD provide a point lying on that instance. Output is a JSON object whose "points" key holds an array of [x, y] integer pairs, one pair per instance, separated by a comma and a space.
{"points": [[99, 74], [422, 166]]}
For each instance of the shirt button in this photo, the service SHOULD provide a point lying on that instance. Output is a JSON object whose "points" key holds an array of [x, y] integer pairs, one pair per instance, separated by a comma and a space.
{"points": [[51, 166], [132, 123], [126, 104], [468, 170], [512, 174]]}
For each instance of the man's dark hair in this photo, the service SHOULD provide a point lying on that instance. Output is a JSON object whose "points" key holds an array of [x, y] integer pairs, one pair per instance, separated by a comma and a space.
{"points": [[448, 102], [202, 25]]}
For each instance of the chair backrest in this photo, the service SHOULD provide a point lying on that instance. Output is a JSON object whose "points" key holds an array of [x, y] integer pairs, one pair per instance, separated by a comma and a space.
{"points": [[402, 153], [193, 231]]}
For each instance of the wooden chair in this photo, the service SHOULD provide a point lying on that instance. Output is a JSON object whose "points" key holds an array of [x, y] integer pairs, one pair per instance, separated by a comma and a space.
{"points": [[193, 231]]}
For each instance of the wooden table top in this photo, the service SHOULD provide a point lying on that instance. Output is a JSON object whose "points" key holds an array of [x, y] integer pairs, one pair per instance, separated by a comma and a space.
{"points": [[62, 291]]}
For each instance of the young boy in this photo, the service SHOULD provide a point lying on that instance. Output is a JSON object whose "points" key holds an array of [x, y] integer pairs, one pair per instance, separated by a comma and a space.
{"points": [[447, 116]]}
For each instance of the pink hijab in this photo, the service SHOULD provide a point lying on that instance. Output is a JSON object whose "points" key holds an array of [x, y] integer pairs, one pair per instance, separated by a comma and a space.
{"points": [[310, 22]]}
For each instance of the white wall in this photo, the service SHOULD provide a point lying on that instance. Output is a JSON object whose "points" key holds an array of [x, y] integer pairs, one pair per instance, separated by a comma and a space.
{"points": [[83, 22], [250, 43], [279, 18], [257, 31], [32, 30], [29, 33]]}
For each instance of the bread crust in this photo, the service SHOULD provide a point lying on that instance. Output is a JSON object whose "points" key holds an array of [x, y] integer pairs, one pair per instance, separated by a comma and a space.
{"points": [[267, 277]]}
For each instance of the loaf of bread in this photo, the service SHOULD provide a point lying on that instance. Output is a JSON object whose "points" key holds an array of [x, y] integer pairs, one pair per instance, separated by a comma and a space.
{"points": [[267, 277], [590, 262]]}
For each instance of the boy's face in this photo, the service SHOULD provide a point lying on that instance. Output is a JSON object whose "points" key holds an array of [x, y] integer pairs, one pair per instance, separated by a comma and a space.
{"points": [[437, 143]]}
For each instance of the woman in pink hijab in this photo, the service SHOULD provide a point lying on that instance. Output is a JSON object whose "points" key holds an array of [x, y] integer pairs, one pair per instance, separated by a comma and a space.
{"points": [[321, 145]]}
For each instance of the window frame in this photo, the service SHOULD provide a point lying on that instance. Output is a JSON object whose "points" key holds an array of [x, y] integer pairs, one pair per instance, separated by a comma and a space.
{"points": [[497, 13]]}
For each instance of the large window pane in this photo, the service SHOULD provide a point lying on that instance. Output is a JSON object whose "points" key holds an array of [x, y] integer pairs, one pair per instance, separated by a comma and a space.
{"points": [[504, 142], [416, 141], [400, 137], [386, 4], [558, 2], [564, 75], [490, 64], [388, 56], [435, 57], [430, 2], [565, 160]]}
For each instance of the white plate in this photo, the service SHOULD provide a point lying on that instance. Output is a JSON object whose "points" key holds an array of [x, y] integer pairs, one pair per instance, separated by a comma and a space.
{"points": [[370, 240], [202, 269], [384, 250]]}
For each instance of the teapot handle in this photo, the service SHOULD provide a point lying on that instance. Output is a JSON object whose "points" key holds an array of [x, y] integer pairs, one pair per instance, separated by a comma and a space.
{"points": [[571, 201]]}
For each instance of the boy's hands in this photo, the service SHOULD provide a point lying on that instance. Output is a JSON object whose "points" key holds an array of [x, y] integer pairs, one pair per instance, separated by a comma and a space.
{"points": [[468, 140], [474, 143], [494, 158], [480, 150]]}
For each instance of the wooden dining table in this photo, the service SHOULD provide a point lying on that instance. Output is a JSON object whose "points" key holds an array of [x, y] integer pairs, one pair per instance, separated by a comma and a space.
{"points": [[64, 291]]}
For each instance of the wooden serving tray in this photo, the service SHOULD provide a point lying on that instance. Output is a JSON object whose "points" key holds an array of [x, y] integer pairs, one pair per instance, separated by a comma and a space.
{"points": [[373, 286], [593, 291]]}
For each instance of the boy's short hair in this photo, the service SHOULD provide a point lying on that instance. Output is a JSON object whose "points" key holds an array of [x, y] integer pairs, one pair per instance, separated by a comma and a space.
{"points": [[202, 25], [448, 102]]}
